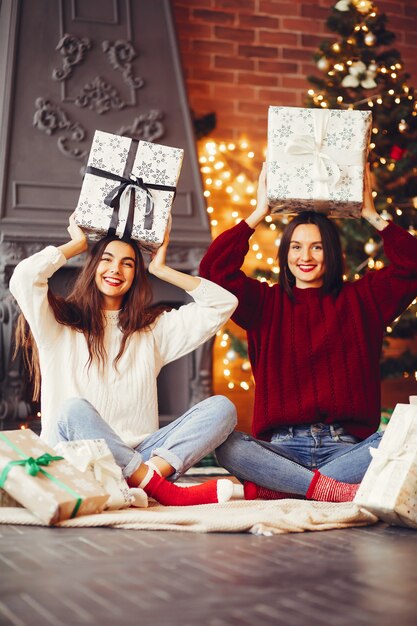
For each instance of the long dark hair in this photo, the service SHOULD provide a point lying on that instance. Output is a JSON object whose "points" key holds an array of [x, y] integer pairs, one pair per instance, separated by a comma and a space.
{"points": [[332, 252], [82, 311]]}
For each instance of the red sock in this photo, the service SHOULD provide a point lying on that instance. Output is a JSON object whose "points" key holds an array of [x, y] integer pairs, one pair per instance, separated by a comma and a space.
{"points": [[171, 495], [328, 489], [253, 491]]}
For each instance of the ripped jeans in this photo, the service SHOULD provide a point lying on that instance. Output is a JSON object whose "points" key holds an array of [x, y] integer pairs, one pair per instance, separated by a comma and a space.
{"points": [[286, 463]]}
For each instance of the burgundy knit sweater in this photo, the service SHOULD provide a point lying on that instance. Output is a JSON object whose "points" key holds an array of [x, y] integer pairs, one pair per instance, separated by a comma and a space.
{"points": [[316, 359]]}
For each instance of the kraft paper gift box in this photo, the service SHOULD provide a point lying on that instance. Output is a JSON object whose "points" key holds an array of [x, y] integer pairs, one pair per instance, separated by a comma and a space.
{"points": [[42, 481], [124, 199], [389, 487], [94, 457], [316, 160]]}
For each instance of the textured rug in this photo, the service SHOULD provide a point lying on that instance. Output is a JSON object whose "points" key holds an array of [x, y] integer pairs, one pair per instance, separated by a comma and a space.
{"points": [[256, 516]]}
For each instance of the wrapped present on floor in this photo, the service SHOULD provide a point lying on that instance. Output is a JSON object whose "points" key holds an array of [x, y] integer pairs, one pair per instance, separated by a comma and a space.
{"points": [[389, 487], [42, 481], [316, 160], [124, 198], [94, 457]]}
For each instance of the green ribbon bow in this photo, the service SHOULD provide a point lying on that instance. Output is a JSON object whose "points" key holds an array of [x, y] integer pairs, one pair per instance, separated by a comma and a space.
{"points": [[34, 466], [31, 465]]}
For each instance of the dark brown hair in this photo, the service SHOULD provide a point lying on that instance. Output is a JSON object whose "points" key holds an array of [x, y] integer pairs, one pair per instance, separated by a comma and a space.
{"points": [[82, 311], [332, 252]]}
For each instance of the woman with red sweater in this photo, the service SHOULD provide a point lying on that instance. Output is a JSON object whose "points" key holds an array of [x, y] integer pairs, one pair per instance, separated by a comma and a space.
{"points": [[314, 345]]}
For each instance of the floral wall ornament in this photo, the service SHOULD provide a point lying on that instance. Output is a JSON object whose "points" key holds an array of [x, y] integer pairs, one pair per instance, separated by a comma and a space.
{"points": [[73, 50], [360, 75], [120, 55], [49, 118], [99, 96], [147, 126]]}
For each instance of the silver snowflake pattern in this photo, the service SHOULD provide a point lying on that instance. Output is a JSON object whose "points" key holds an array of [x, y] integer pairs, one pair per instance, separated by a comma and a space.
{"points": [[161, 177], [145, 169]]}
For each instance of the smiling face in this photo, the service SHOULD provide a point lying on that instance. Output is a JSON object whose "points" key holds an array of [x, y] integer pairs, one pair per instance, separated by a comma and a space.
{"points": [[115, 273], [306, 257]]}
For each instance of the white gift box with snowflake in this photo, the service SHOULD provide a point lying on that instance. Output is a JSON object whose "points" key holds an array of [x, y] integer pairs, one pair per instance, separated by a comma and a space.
{"points": [[128, 201], [316, 160], [389, 487], [45, 483]]}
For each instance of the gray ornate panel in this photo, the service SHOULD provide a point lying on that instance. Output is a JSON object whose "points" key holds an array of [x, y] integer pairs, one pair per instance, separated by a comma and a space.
{"points": [[67, 68], [111, 65]]}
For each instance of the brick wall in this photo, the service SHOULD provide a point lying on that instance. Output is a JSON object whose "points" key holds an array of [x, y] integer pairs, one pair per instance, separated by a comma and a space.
{"points": [[239, 56]]}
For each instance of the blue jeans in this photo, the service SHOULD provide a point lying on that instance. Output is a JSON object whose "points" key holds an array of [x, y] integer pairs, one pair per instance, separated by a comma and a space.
{"points": [[182, 443], [286, 463]]}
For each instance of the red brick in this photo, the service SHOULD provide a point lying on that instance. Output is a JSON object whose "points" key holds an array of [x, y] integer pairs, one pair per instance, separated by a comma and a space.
{"points": [[410, 10], [214, 75], [181, 14], [278, 67], [402, 23], [254, 78], [234, 63], [301, 25], [312, 10], [213, 104], [215, 17], [258, 51], [295, 83], [278, 38], [279, 8], [252, 107], [237, 92], [239, 5], [277, 96], [234, 34], [199, 87], [258, 21], [219, 47], [195, 31], [296, 54], [196, 60], [390, 7], [312, 41]]}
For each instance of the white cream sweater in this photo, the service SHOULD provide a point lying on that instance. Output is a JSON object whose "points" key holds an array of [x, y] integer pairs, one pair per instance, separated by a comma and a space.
{"points": [[127, 397]]}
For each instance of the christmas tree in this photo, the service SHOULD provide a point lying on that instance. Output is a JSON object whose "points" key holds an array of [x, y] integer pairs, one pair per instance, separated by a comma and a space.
{"points": [[362, 71]]}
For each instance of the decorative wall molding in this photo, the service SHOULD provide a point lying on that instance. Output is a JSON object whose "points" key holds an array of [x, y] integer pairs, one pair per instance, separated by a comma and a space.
{"points": [[120, 55], [99, 96], [147, 126], [50, 118], [73, 50]]}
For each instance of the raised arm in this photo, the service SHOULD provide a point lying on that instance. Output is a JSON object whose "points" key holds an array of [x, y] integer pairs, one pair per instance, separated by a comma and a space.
{"points": [[223, 261], [395, 286], [160, 269]]}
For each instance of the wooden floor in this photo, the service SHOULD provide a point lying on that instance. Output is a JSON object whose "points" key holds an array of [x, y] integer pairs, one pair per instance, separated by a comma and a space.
{"points": [[66, 577]]}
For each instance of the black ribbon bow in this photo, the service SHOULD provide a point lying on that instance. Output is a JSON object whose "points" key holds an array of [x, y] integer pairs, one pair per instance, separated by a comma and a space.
{"points": [[113, 199]]}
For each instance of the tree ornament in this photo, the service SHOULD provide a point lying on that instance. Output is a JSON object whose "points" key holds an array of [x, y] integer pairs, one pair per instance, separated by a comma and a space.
{"points": [[370, 39], [370, 247], [363, 6], [323, 64], [343, 5], [359, 75], [397, 153], [403, 126]]}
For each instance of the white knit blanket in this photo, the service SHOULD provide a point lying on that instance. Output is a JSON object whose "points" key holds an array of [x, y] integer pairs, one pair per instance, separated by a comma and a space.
{"points": [[256, 516]]}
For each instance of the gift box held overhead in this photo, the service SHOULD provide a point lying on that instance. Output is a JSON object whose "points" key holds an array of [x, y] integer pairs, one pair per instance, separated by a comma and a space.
{"points": [[389, 487], [128, 200], [42, 481], [316, 160]]}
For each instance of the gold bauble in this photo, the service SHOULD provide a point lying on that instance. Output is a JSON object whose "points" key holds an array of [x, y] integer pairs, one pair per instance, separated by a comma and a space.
{"points": [[363, 6]]}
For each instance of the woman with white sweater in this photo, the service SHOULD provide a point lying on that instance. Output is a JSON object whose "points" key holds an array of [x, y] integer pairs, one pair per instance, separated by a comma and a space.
{"points": [[95, 356]]}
